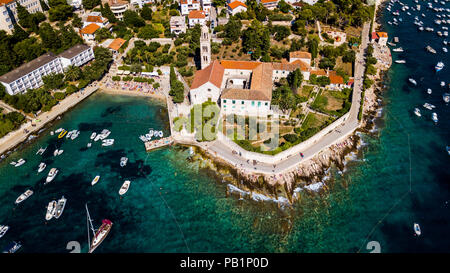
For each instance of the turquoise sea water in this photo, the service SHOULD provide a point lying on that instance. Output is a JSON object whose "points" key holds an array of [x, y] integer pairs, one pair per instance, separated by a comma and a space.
{"points": [[173, 206]]}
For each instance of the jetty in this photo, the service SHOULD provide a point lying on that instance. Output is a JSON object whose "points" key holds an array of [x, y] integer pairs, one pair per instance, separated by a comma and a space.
{"points": [[158, 143]]}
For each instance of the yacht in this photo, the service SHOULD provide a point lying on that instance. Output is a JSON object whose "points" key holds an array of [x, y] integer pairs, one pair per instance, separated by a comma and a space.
{"points": [[123, 161], [399, 49], [42, 167], [101, 234], [24, 196], [125, 187], [60, 207], [439, 66], [51, 208], [411, 80], [400, 61], [434, 117], [3, 230], [93, 135], [417, 229], [417, 112], [430, 49], [51, 175], [95, 180], [446, 97], [20, 162]]}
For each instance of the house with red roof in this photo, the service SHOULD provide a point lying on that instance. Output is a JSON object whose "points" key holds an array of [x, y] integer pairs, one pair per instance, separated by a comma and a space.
{"points": [[197, 17], [379, 37], [236, 7]]}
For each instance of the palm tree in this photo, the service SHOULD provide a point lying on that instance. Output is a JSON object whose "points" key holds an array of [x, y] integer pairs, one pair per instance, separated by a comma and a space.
{"points": [[73, 73]]}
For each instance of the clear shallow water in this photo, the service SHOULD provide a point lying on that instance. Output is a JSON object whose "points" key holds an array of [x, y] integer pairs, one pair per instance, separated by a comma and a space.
{"points": [[173, 206]]}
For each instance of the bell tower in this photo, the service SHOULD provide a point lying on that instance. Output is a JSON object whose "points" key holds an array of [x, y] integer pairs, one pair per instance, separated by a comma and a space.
{"points": [[205, 47]]}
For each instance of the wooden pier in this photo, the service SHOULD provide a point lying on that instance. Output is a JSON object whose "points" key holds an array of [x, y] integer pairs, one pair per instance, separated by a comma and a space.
{"points": [[158, 143]]}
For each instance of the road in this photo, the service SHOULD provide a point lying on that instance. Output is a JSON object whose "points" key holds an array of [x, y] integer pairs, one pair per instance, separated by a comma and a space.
{"points": [[225, 148]]}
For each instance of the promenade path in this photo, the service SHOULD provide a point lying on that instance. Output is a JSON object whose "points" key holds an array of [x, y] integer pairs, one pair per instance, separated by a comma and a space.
{"points": [[237, 156], [14, 138]]}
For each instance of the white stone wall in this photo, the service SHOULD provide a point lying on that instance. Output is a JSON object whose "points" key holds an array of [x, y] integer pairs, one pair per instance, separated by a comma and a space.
{"points": [[245, 107], [203, 93]]}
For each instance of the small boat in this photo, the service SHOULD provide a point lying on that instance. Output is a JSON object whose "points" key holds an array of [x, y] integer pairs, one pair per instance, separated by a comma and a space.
{"points": [[446, 97], [24, 196], [448, 149], [75, 135], [398, 49], [400, 61], [93, 135], [60, 207], [13, 247], [125, 187], [429, 106], [143, 138], [41, 151], [97, 137], [411, 80], [42, 167], [439, 66], [391, 44], [429, 91], [69, 134], [13, 163], [55, 153], [51, 175], [161, 133], [89, 145], [148, 136], [417, 229], [50, 210], [434, 117], [108, 142], [59, 130], [95, 180], [417, 112], [430, 49], [3, 230], [123, 161], [444, 49], [442, 83], [62, 134], [191, 151], [20, 162]]}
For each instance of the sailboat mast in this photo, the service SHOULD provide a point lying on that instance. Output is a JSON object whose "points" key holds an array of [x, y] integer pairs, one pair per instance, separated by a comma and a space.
{"points": [[89, 221]]}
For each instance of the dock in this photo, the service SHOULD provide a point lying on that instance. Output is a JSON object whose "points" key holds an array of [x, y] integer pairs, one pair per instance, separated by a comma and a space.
{"points": [[158, 143]]}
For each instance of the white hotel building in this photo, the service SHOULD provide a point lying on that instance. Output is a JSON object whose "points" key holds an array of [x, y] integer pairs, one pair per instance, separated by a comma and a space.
{"points": [[29, 75], [8, 12]]}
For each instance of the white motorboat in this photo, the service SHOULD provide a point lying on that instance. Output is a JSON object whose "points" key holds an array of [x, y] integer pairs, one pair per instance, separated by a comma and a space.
{"points": [[108, 142], [417, 229], [430, 49], [69, 134], [13, 163], [399, 49], [125, 187], [51, 175], [143, 138], [417, 112], [123, 161], [439, 66], [429, 106], [93, 135], [42, 167], [434, 117], [75, 135], [444, 49], [3, 230], [95, 180], [400, 61], [20, 162], [24, 196], [59, 130], [51, 208], [411, 80], [442, 83], [55, 153], [60, 205], [151, 132], [161, 133], [97, 137], [89, 145], [148, 136], [60, 152], [429, 91], [446, 97]]}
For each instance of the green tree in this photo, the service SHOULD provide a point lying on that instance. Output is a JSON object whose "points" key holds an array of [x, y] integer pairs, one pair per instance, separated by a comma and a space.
{"points": [[53, 81], [146, 12], [73, 73], [107, 13], [90, 4], [295, 79], [132, 19]]}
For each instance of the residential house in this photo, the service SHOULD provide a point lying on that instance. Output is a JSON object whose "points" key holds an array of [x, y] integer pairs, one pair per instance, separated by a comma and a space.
{"points": [[380, 37], [269, 4], [177, 24], [186, 6], [96, 18], [118, 7], [236, 7], [88, 33], [197, 17]]}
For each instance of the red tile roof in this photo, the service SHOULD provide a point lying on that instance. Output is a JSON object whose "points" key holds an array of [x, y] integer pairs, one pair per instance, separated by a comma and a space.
{"points": [[300, 55], [213, 73], [244, 65], [90, 29], [116, 44], [94, 19], [236, 4], [197, 14]]}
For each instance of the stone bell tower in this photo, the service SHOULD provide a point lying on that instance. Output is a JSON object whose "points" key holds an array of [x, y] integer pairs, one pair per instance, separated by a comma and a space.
{"points": [[205, 47]]}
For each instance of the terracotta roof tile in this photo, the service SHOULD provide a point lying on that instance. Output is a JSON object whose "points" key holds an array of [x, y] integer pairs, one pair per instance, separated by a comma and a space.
{"points": [[116, 44], [212, 73], [300, 55], [90, 29], [319, 72], [236, 4], [94, 19], [197, 14], [244, 65]]}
